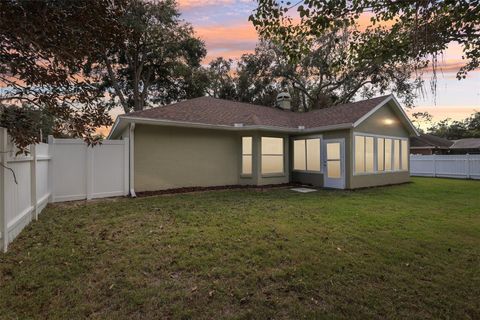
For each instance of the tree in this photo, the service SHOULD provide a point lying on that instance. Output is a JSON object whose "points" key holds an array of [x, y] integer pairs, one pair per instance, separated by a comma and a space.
{"points": [[333, 71], [421, 119], [75, 60], [44, 46], [156, 60], [221, 79], [255, 79], [453, 130], [414, 30], [473, 125]]}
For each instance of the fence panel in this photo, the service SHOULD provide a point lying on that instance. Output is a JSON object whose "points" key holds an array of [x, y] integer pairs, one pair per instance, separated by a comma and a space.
{"points": [[450, 166], [24, 188], [82, 172]]}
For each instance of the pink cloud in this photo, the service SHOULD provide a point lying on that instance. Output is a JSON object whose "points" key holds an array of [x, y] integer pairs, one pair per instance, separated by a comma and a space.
{"points": [[183, 4]]}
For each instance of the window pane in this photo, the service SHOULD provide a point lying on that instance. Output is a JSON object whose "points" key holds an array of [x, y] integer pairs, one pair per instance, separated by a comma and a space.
{"points": [[333, 151], [380, 154], [299, 155], [272, 145], [246, 145], [333, 169], [405, 155], [247, 164], [369, 154], [272, 164], [359, 154], [313, 154], [388, 154], [396, 154]]}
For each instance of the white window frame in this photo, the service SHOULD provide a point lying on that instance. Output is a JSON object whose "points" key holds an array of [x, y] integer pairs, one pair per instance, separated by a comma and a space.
{"points": [[320, 137], [375, 154], [273, 174]]}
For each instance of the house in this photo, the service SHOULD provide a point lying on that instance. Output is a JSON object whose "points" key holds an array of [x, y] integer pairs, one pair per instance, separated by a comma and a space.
{"points": [[426, 144], [211, 142], [467, 145]]}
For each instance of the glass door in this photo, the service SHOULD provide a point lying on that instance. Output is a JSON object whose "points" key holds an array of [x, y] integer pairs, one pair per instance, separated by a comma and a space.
{"points": [[334, 163]]}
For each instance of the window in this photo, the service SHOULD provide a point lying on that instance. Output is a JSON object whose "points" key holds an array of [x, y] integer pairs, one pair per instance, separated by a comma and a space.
{"points": [[379, 154], [369, 155], [405, 153], [388, 154], [299, 155], [359, 154], [396, 154], [364, 154], [272, 155], [306, 154], [246, 155]]}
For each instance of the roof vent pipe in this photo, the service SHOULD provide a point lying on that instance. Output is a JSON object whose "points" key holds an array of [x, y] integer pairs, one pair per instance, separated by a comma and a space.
{"points": [[284, 101]]}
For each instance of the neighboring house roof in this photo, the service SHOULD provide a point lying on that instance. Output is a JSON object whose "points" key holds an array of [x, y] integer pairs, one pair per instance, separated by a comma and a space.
{"points": [[469, 143], [429, 141], [211, 112]]}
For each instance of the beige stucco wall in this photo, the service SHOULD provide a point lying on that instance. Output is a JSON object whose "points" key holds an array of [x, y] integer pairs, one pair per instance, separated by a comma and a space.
{"points": [[169, 157], [376, 124], [172, 157]]}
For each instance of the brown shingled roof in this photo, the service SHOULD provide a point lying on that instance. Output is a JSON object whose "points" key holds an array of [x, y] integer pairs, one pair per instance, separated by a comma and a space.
{"points": [[429, 140], [206, 110]]}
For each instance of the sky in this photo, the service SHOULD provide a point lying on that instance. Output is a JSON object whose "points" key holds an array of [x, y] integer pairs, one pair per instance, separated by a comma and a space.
{"points": [[224, 26]]}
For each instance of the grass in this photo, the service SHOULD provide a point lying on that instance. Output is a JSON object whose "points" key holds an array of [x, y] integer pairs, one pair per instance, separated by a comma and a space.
{"points": [[407, 251]]}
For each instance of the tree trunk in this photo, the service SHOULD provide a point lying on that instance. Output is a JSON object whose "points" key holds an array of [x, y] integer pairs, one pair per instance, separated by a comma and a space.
{"points": [[116, 87]]}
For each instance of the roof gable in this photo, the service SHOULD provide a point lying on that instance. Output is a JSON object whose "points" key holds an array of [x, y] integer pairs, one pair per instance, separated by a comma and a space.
{"points": [[397, 110]]}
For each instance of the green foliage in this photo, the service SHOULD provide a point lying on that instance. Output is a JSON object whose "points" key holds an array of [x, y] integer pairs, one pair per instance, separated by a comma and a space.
{"points": [[221, 79], [253, 254], [156, 61], [333, 71], [44, 49], [398, 30], [453, 130], [75, 60], [38, 123]]}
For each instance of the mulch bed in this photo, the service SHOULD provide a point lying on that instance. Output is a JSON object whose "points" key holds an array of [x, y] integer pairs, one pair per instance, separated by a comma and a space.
{"points": [[199, 189]]}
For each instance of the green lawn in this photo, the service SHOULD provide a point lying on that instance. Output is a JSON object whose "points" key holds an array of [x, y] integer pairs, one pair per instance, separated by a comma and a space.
{"points": [[408, 251]]}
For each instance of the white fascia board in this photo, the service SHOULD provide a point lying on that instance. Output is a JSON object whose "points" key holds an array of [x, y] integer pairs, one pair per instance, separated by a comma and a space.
{"points": [[163, 122], [115, 124], [397, 106]]}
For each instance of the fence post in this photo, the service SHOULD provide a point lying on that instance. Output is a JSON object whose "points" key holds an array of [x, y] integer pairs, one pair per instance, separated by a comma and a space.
{"points": [[467, 165], [3, 189], [51, 175], [434, 165], [33, 181], [89, 173]]}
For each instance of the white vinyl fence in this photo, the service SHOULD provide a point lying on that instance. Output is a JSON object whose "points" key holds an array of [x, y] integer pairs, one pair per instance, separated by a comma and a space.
{"points": [[62, 170], [463, 166], [82, 172]]}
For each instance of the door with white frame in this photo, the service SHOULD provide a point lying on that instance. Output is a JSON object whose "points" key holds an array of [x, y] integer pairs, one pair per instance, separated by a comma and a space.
{"points": [[334, 163]]}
